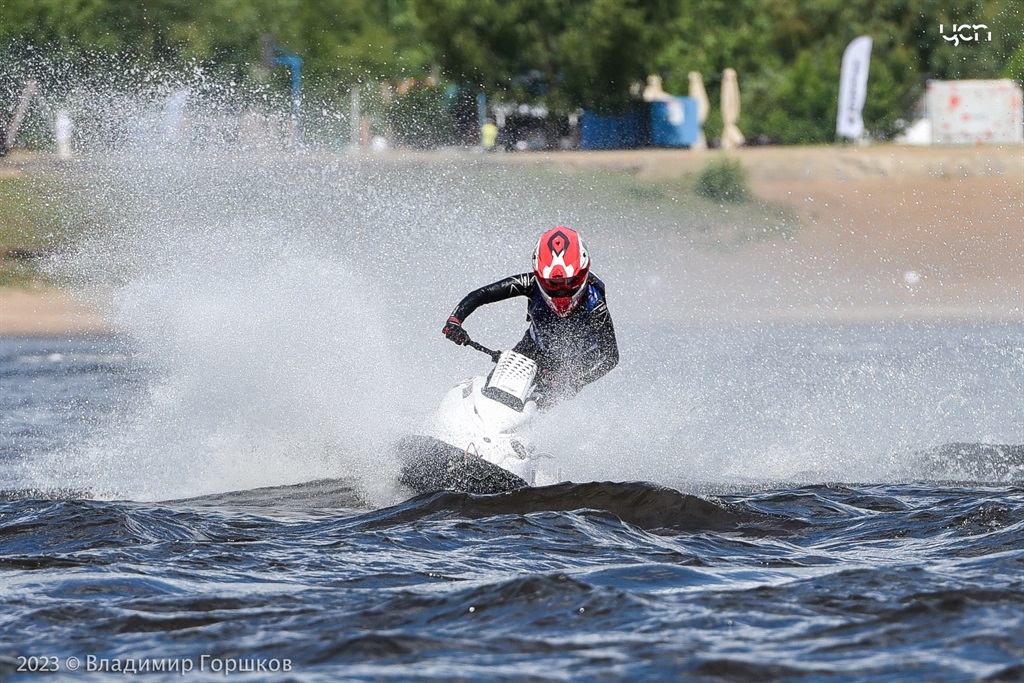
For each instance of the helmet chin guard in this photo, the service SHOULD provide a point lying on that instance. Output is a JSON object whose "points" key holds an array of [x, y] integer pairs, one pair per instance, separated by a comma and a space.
{"points": [[562, 306], [561, 265]]}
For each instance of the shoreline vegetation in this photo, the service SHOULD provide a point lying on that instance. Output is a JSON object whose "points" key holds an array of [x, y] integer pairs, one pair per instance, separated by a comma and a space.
{"points": [[953, 216]]}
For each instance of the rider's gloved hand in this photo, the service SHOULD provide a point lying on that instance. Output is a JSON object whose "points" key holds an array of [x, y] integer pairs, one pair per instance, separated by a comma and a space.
{"points": [[453, 330]]}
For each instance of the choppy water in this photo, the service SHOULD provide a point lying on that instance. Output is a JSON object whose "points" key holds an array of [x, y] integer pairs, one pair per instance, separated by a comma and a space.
{"points": [[749, 563]]}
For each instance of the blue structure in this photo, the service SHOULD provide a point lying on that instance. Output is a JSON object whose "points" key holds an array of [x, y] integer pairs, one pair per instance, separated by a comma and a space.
{"points": [[481, 109], [669, 123], [274, 54], [674, 122], [631, 129]]}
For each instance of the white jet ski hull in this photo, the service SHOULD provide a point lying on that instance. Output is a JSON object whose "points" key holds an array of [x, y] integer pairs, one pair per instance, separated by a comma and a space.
{"points": [[478, 424]]}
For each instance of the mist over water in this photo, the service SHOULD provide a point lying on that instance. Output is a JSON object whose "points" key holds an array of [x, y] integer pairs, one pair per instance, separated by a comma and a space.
{"points": [[266, 358], [793, 404], [284, 311]]}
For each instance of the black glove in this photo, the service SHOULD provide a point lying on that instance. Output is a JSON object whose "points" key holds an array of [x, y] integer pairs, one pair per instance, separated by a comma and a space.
{"points": [[453, 330]]}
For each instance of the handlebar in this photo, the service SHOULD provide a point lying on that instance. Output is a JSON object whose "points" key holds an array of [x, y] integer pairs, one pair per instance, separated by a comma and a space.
{"points": [[483, 349]]}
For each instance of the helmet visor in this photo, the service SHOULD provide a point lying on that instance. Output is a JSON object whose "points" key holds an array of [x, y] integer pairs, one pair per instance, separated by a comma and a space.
{"points": [[563, 286], [563, 299]]}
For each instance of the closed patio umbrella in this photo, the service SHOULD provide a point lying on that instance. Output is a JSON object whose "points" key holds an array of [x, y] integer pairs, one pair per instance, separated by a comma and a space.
{"points": [[698, 93], [731, 135]]}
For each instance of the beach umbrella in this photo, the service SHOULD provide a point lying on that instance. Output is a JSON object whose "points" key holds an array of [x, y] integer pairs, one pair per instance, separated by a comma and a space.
{"points": [[698, 93], [731, 135], [655, 92]]}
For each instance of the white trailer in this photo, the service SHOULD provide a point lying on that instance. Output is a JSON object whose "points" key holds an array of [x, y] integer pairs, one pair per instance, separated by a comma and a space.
{"points": [[974, 112]]}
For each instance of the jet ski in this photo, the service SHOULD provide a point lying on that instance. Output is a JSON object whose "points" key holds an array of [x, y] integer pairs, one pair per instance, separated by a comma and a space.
{"points": [[474, 441]]}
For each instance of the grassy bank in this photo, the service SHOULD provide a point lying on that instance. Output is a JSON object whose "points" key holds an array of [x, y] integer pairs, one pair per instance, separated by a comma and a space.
{"points": [[679, 204]]}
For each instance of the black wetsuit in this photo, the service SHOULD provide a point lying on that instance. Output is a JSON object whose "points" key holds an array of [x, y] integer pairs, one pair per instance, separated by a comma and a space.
{"points": [[570, 352]]}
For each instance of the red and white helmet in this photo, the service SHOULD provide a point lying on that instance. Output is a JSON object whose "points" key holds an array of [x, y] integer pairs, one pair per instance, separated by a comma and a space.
{"points": [[561, 264]]}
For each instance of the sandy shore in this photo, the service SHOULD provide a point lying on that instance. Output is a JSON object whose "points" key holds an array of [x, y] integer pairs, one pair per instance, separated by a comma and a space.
{"points": [[937, 232], [46, 312], [887, 233], [794, 165]]}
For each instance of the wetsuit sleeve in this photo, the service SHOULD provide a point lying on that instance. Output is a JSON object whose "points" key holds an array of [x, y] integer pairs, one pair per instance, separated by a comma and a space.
{"points": [[515, 285], [607, 353]]}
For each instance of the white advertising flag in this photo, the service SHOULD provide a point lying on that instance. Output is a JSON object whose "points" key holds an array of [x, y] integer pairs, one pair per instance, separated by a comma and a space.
{"points": [[853, 88]]}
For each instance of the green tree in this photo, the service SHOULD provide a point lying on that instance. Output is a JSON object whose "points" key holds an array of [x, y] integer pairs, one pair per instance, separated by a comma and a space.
{"points": [[566, 53], [788, 54], [353, 38]]}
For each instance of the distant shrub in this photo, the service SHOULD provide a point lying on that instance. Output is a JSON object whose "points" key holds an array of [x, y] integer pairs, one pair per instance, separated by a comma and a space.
{"points": [[723, 179]]}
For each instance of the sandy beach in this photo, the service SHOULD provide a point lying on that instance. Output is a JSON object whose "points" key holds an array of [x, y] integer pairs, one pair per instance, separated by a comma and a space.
{"points": [[937, 233], [45, 312]]}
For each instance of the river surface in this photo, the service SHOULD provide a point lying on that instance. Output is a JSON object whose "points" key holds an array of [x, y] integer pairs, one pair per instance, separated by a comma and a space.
{"points": [[791, 503]]}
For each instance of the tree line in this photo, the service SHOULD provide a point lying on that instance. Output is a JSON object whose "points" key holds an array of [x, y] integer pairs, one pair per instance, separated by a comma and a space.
{"points": [[563, 54]]}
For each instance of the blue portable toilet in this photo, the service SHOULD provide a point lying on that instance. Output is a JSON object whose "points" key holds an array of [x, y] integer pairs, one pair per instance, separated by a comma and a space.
{"points": [[674, 122]]}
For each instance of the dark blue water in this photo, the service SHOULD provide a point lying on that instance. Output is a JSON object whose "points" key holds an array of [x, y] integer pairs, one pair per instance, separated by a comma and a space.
{"points": [[729, 571]]}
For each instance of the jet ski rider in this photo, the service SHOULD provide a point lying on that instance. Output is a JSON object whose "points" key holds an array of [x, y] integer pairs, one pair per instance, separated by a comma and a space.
{"points": [[571, 336]]}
